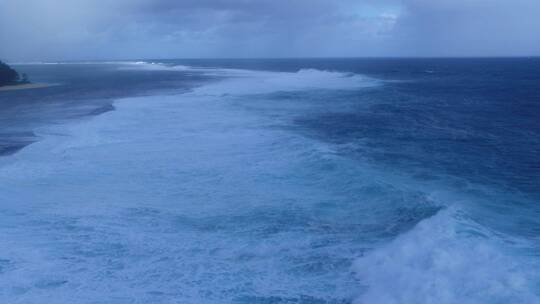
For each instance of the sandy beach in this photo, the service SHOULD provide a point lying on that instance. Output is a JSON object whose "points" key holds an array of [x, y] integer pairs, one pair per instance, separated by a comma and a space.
{"points": [[25, 86]]}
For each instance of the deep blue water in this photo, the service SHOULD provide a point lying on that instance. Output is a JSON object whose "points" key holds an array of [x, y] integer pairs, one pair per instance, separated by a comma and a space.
{"points": [[475, 118], [273, 181]]}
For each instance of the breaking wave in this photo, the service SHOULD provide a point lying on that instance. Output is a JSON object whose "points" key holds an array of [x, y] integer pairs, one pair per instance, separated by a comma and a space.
{"points": [[196, 198], [445, 259]]}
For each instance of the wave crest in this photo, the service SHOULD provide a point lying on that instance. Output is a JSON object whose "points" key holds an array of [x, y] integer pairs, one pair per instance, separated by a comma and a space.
{"points": [[439, 262]]}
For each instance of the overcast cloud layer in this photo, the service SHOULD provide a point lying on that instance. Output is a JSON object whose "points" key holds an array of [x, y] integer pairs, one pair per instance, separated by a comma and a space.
{"points": [[123, 29]]}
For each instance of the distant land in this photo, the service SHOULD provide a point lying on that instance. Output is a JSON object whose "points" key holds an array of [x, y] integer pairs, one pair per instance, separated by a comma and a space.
{"points": [[10, 77]]}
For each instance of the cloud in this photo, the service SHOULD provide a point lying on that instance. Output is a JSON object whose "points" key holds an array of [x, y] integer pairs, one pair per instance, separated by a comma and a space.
{"points": [[469, 28], [111, 29]]}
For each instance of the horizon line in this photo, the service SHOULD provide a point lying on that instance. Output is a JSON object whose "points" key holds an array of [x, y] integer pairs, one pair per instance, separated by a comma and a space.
{"points": [[277, 58]]}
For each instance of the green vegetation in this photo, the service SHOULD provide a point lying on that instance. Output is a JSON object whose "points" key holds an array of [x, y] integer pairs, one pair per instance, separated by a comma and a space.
{"points": [[9, 76]]}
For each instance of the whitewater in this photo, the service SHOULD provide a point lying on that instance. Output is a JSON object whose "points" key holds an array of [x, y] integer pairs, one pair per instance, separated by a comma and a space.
{"points": [[216, 196]]}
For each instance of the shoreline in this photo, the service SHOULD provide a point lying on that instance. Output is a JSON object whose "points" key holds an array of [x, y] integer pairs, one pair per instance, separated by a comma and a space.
{"points": [[26, 86]]}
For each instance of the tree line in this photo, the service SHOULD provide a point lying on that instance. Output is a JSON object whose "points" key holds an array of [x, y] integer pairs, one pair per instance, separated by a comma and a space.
{"points": [[9, 76]]}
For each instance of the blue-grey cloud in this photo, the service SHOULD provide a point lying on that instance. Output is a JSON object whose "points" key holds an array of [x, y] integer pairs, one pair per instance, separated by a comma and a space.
{"points": [[94, 29], [469, 28]]}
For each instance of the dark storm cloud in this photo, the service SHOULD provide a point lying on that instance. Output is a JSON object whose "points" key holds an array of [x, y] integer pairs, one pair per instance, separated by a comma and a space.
{"points": [[77, 29]]}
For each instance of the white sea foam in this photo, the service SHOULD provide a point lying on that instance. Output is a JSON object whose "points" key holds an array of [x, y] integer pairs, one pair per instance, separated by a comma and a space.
{"points": [[194, 199], [238, 81], [444, 260], [174, 199], [310, 79]]}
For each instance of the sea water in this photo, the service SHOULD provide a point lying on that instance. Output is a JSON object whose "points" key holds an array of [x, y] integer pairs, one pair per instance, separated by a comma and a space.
{"points": [[272, 181]]}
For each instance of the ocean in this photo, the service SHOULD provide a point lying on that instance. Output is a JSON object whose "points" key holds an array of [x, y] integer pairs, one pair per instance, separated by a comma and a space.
{"points": [[272, 181]]}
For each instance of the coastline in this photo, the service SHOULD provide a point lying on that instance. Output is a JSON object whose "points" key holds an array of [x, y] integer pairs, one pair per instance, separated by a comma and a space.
{"points": [[26, 86]]}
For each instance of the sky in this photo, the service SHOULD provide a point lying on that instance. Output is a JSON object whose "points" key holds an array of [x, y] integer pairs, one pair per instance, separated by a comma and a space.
{"points": [[41, 30]]}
